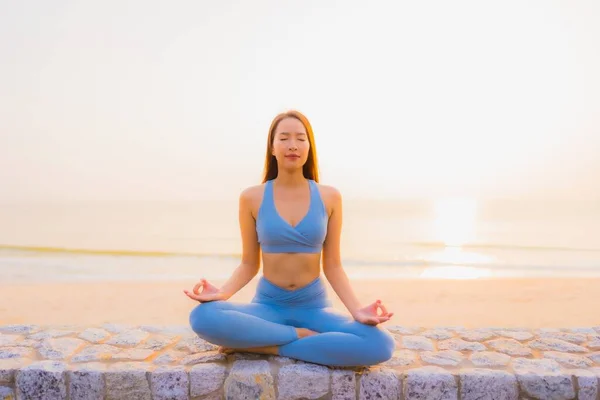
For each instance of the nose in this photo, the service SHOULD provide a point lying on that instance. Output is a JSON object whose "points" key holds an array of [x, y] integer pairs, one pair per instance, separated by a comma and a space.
{"points": [[292, 145]]}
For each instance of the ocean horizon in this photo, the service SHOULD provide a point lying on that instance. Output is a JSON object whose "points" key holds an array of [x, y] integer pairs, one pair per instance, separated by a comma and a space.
{"points": [[453, 238]]}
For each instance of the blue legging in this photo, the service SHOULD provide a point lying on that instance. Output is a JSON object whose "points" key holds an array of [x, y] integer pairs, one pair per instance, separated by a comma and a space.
{"points": [[274, 313]]}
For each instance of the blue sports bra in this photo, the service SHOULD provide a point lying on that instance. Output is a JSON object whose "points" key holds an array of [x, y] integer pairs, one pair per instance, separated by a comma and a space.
{"points": [[276, 235]]}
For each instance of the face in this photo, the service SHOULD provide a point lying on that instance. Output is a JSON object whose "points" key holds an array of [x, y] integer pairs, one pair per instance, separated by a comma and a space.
{"points": [[290, 143]]}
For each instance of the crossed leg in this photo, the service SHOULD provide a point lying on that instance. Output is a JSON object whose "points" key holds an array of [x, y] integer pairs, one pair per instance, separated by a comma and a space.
{"points": [[341, 340], [242, 326], [260, 328]]}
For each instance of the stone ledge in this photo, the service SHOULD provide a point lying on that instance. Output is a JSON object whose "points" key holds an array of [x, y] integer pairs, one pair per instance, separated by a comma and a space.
{"points": [[150, 362]]}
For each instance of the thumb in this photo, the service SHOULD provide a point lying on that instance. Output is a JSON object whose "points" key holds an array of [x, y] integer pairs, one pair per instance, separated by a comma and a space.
{"points": [[379, 306], [373, 306], [199, 285]]}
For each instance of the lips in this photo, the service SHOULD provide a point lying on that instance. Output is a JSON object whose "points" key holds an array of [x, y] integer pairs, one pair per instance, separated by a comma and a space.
{"points": [[292, 156]]}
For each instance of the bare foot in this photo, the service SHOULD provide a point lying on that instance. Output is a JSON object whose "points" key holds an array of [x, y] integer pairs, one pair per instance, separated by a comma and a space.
{"points": [[303, 332], [226, 350], [274, 350]]}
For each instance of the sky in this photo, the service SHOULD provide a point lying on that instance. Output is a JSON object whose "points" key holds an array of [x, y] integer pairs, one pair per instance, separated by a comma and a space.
{"points": [[147, 99]]}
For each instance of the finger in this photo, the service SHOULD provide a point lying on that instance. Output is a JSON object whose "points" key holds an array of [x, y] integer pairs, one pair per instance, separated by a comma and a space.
{"points": [[373, 306], [198, 285], [192, 296], [202, 297], [198, 297], [379, 306], [383, 309]]}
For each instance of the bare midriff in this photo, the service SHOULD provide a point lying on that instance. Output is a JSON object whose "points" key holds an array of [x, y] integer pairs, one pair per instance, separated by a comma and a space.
{"points": [[291, 271]]}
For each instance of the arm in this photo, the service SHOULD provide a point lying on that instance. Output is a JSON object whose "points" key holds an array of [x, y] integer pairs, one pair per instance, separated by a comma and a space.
{"points": [[247, 269], [335, 274], [332, 263], [250, 263]]}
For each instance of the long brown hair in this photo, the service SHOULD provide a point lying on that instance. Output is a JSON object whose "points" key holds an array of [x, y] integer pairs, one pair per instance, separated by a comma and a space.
{"points": [[310, 169]]}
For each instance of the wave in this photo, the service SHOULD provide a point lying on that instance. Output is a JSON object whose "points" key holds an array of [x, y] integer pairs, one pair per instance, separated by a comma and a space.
{"points": [[584, 264], [498, 265], [114, 252], [161, 253], [490, 246]]}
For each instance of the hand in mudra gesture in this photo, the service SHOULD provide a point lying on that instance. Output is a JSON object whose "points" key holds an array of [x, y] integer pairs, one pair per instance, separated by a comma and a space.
{"points": [[369, 315], [209, 292]]}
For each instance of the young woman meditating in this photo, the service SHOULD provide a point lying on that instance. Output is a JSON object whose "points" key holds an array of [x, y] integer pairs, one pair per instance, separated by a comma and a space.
{"points": [[294, 222]]}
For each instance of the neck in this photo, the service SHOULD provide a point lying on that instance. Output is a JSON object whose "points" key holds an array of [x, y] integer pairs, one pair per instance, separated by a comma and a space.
{"points": [[290, 178]]}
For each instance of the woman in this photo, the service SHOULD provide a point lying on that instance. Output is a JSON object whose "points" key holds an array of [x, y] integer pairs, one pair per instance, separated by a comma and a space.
{"points": [[292, 219]]}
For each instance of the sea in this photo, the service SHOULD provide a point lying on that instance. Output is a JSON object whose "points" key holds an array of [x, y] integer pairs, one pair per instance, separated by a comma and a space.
{"points": [[447, 238]]}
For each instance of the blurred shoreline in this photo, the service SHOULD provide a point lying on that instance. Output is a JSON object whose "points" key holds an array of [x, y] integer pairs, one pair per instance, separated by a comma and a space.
{"points": [[502, 302]]}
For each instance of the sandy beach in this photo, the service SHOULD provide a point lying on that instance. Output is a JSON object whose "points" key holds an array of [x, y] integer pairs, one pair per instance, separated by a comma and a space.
{"points": [[532, 303]]}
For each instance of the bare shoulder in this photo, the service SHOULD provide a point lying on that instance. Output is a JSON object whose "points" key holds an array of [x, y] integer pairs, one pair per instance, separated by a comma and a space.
{"points": [[331, 196], [331, 192], [252, 197], [251, 192]]}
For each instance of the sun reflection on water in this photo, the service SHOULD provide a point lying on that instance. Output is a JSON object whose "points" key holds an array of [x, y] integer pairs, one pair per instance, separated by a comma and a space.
{"points": [[454, 225]]}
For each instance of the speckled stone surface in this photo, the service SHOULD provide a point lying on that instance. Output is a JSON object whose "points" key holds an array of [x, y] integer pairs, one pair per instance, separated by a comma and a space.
{"points": [[151, 362]]}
